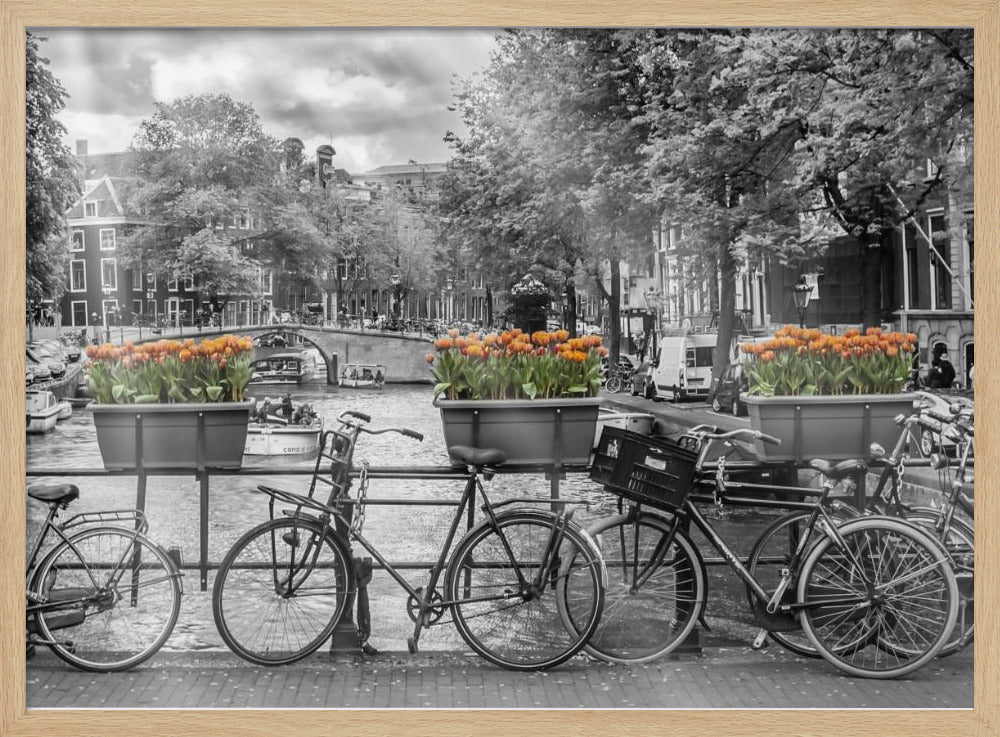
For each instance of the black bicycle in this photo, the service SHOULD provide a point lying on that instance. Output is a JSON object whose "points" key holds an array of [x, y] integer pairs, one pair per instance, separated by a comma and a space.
{"points": [[104, 598], [876, 596], [524, 588]]}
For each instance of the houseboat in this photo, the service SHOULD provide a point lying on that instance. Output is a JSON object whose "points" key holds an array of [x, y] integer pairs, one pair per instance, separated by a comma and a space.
{"points": [[41, 410], [283, 368], [357, 375]]}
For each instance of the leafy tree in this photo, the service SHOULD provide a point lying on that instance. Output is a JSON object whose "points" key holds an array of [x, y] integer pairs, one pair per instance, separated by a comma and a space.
{"points": [[869, 107], [203, 162], [51, 181]]}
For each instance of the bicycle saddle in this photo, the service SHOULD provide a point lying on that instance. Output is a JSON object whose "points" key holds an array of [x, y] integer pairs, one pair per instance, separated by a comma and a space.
{"points": [[57, 493], [477, 457], [838, 471]]}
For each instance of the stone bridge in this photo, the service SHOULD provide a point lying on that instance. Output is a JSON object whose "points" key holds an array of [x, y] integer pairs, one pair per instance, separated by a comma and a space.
{"points": [[403, 355]]}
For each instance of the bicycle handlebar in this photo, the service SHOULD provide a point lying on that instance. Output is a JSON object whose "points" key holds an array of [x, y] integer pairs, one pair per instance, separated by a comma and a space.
{"points": [[738, 434], [358, 415]]}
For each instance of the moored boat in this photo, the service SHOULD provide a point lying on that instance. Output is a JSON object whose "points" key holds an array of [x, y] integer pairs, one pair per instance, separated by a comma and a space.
{"points": [[41, 410], [356, 375], [284, 368], [65, 410]]}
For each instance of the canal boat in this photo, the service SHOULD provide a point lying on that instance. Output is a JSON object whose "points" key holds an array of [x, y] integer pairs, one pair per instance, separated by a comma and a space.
{"points": [[282, 429], [65, 410], [41, 410], [358, 375], [283, 368]]}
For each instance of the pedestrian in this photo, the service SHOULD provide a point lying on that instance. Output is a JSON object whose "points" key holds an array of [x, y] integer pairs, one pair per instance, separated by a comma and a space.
{"points": [[942, 373], [642, 347]]}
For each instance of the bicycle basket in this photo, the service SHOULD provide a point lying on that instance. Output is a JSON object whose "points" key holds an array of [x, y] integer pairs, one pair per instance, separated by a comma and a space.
{"points": [[650, 470]]}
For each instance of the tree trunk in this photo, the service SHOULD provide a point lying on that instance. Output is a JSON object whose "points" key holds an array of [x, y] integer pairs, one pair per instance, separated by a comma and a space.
{"points": [[614, 310], [727, 314], [569, 309], [489, 307], [871, 281]]}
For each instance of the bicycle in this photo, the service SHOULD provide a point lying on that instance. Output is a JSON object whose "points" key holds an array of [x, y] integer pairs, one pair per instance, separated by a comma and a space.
{"points": [[619, 378], [119, 592], [952, 532], [859, 589], [513, 585]]}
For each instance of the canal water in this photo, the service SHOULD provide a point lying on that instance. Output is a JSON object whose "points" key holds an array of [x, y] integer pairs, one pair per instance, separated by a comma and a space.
{"points": [[402, 533]]}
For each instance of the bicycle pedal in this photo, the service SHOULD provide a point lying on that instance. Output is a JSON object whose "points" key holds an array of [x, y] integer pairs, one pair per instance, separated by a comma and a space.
{"points": [[760, 641], [411, 645]]}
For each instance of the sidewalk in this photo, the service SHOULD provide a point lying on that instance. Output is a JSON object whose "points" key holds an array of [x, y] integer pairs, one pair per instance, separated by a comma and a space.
{"points": [[719, 678]]}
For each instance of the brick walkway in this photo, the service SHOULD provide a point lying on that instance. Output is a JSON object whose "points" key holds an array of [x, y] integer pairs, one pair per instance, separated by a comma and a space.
{"points": [[720, 677]]}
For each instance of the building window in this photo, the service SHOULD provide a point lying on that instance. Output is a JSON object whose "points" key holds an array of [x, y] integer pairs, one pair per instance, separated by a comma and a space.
{"points": [[136, 280], [136, 306], [109, 273], [970, 238], [188, 283], [151, 307], [77, 276], [937, 229], [76, 241], [79, 311], [90, 209], [264, 280], [172, 284], [107, 239], [150, 280]]}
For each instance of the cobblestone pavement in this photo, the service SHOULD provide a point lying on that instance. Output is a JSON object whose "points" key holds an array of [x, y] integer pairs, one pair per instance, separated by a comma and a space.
{"points": [[719, 677]]}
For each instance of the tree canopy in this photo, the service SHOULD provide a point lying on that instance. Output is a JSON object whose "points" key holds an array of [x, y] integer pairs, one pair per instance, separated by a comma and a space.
{"points": [[51, 182]]}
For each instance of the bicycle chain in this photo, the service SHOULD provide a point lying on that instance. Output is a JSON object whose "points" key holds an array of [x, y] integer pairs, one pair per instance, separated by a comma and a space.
{"points": [[358, 519]]}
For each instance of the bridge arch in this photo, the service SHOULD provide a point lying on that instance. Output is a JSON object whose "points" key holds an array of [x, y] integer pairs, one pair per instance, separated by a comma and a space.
{"points": [[329, 359]]}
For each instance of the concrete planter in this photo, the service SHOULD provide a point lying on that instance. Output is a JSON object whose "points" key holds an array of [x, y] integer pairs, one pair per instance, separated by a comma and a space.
{"points": [[827, 427], [530, 431], [169, 436]]}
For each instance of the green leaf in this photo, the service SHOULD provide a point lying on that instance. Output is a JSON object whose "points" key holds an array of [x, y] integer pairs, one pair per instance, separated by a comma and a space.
{"points": [[213, 392], [530, 389], [443, 386], [577, 389], [147, 399], [118, 393]]}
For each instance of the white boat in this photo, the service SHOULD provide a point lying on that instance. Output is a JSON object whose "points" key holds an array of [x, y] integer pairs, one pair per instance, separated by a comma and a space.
{"points": [[357, 375], [65, 410], [282, 428], [637, 422], [41, 410], [282, 440], [283, 368]]}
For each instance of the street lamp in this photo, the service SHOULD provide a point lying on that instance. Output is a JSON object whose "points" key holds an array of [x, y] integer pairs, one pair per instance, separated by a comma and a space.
{"points": [[652, 297], [801, 293]]}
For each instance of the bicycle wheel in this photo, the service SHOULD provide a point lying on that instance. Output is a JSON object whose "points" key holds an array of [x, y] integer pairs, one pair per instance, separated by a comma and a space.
{"points": [[614, 384], [123, 597], [655, 591], [770, 555], [881, 603], [541, 624], [960, 542], [281, 589]]}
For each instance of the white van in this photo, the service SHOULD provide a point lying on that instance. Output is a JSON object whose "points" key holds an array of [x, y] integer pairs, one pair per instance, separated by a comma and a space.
{"points": [[683, 367]]}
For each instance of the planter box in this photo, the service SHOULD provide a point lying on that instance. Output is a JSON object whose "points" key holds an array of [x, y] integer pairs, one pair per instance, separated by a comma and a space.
{"points": [[170, 434], [530, 431], [827, 427]]}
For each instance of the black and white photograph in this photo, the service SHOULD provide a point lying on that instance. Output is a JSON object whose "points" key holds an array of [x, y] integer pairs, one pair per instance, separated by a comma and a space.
{"points": [[500, 368]]}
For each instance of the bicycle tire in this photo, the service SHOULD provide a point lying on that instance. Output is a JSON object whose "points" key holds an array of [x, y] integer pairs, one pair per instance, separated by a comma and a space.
{"points": [[281, 589], [108, 567], [960, 542], [530, 630], [642, 625], [614, 384], [886, 640]]}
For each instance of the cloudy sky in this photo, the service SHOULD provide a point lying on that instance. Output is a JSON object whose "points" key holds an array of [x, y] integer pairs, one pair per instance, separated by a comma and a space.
{"points": [[381, 94]]}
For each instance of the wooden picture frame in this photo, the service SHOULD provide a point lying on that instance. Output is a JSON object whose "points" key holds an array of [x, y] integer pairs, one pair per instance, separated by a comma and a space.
{"points": [[16, 15]]}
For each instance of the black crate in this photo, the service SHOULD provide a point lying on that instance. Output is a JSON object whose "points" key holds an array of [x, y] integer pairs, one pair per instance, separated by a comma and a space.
{"points": [[650, 470]]}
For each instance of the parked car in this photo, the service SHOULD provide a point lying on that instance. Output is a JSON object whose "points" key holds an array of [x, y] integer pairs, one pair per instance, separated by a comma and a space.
{"points": [[727, 393], [929, 442], [46, 356]]}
